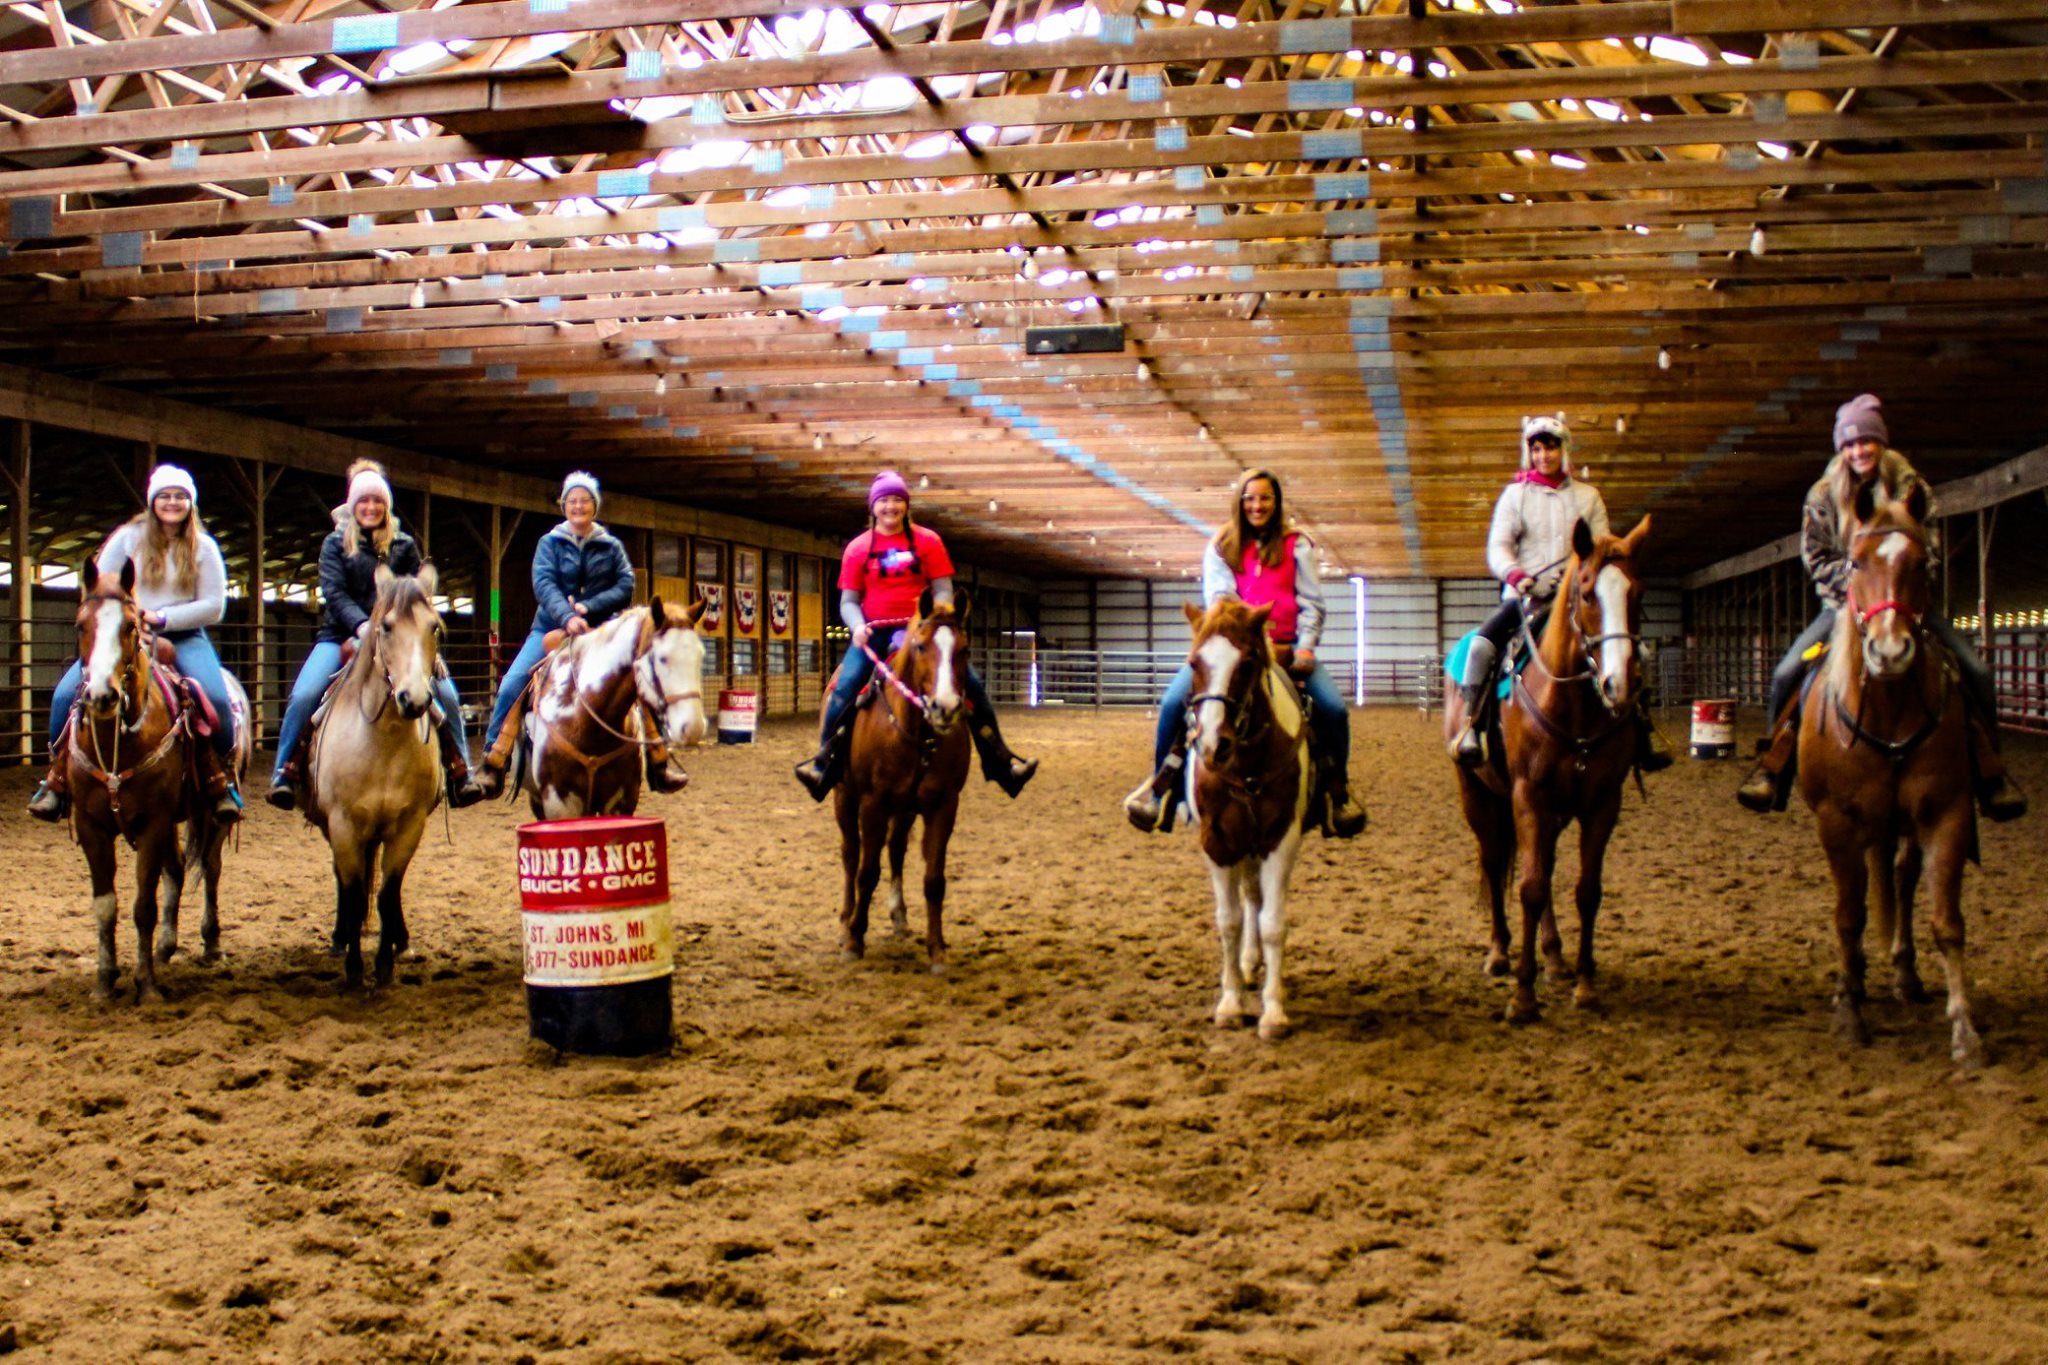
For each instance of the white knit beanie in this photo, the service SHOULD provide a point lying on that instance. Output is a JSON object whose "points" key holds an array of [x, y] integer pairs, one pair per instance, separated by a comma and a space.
{"points": [[171, 476], [366, 483], [585, 481]]}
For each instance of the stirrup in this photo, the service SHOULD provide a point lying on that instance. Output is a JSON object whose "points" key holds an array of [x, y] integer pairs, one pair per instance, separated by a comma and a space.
{"points": [[281, 796], [1343, 818], [1012, 777], [48, 803], [2000, 801], [1149, 808], [490, 779], [227, 807], [665, 777], [813, 774], [1759, 791]]}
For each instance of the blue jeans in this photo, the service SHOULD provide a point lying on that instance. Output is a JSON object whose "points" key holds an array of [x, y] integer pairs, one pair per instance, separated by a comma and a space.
{"points": [[856, 668], [196, 660], [514, 681], [1329, 720], [312, 681]]}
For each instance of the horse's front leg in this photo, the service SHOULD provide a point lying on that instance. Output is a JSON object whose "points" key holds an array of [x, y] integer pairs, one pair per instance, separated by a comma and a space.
{"points": [[863, 826], [351, 905], [1274, 872], [392, 938], [938, 832], [1945, 916], [156, 853], [1903, 882], [1229, 912], [1536, 835], [209, 909], [106, 906], [172, 891], [1595, 830], [899, 848], [1851, 871]]}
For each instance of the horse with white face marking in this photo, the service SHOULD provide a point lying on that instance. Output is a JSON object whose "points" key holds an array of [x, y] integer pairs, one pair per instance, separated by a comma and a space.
{"points": [[1249, 780], [1884, 762], [1562, 752], [585, 733], [907, 759]]}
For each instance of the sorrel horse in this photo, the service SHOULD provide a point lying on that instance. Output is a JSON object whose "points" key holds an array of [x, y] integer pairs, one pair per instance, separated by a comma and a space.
{"points": [[374, 768], [1561, 752], [907, 758], [1884, 761], [1249, 781], [128, 761], [581, 748]]}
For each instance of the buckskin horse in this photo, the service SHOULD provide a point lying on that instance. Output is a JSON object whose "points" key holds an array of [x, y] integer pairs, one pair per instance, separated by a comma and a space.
{"points": [[1249, 780], [907, 758], [581, 745], [1561, 752], [1884, 764], [374, 768], [130, 744]]}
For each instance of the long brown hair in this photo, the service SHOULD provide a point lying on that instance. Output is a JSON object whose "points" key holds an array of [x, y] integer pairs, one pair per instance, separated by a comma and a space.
{"points": [[161, 558], [1272, 543], [351, 530]]}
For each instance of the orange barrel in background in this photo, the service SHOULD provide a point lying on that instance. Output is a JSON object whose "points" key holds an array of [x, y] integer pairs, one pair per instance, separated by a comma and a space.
{"points": [[737, 712], [1713, 728], [600, 954]]}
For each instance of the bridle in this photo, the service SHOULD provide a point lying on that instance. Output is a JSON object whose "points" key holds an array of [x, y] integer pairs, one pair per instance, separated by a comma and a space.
{"points": [[1910, 617], [1894, 749], [1588, 645], [1252, 668], [373, 644], [136, 682]]}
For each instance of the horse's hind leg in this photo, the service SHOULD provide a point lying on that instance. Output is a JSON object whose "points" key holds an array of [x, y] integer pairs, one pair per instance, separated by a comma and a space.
{"points": [[156, 853], [209, 910], [1945, 917], [175, 874], [1536, 836], [392, 937], [1895, 914], [1273, 875], [938, 831], [106, 909], [1594, 832], [847, 809], [899, 848], [1493, 826], [1851, 871], [1251, 903]]}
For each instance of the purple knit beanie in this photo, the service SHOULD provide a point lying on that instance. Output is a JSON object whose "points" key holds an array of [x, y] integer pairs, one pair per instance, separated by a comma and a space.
{"points": [[1860, 419], [887, 484]]}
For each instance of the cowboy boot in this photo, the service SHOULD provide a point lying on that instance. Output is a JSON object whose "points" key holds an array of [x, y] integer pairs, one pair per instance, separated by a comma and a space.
{"points": [[215, 781], [820, 773], [284, 790], [1653, 755], [1151, 805], [52, 801], [461, 790], [1998, 798], [490, 774], [998, 764], [1343, 818], [1469, 748], [663, 773], [1765, 789]]}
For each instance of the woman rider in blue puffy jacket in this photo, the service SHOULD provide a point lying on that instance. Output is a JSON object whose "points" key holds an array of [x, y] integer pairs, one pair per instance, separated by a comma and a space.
{"points": [[366, 536]]}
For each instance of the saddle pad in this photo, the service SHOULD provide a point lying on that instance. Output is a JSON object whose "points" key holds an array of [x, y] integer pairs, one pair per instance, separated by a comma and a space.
{"points": [[1454, 664]]}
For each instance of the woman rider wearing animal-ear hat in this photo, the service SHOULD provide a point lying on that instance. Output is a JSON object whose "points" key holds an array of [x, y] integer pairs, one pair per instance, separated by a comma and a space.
{"points": [[1864, 457], [883, 572]]}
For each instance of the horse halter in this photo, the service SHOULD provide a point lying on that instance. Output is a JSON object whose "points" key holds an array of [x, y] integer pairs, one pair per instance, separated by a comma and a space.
{"points": [[131, 697], [1907, 615], [1248, 666], [1589, 645]]}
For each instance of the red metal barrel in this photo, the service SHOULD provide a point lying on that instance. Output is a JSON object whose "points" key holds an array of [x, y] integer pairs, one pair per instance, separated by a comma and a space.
{"points": [[1713, 728], [738, 710], [600, 954]]}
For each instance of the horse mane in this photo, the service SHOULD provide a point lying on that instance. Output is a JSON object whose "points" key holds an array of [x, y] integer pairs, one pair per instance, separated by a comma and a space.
{"points": [[1232, 617]]}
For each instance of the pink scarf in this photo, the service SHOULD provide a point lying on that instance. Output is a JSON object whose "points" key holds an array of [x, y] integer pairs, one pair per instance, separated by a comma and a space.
{"points": [[1537, 476]]}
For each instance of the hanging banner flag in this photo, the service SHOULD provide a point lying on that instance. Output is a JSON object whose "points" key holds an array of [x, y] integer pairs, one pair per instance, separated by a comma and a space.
{"points": [[778, 611], [746, 608], [713, 619]]}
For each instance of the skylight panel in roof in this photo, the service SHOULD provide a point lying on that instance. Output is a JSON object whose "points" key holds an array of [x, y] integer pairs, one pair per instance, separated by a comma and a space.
{"points": [[1677, 50]]}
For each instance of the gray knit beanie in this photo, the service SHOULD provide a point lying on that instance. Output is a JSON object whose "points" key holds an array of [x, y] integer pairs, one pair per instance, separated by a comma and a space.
{"points": [[1860, 419]]}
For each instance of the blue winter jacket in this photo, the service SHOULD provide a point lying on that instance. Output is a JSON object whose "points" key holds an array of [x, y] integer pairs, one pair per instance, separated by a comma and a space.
{"points": [[595, 572], [348, 583]]}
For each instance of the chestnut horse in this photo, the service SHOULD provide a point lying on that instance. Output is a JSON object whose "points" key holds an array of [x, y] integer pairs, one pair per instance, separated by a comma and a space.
{"points": [[582, 740], [1884, 760], [1249, 780], [907, 758], [128, 760], [1561, 752], [374, 767]]}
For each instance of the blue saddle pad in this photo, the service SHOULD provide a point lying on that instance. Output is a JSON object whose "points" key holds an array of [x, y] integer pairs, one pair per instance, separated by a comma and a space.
{"points": [[1454, 664]]}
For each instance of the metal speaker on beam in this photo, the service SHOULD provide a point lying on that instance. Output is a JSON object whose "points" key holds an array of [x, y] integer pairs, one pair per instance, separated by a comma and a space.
{"points": [[1073, 340]]}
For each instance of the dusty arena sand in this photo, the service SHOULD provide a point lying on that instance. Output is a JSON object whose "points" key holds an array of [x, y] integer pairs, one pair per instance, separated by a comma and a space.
{"points": [[1050, 1155]]}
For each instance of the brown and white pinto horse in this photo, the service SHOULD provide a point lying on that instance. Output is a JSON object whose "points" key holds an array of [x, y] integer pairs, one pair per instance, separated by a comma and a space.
{"points": [[1249, 780], [374, 771], [581, 747], [1561, 752], [128, 761], [1884, 762], [907, 758]]}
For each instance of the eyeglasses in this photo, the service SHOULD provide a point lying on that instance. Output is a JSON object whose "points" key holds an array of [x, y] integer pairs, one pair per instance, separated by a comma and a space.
{"points": [[173, 495]]}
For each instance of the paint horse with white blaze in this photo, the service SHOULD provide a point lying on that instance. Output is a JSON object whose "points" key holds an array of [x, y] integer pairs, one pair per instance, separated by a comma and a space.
{"points": [[1561, 752], [1249, 781], [907, 758], [130, 775], [1884, 762], [374, 768], [583, 740]]}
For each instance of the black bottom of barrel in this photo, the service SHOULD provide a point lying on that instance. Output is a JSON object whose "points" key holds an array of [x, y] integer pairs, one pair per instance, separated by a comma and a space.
{"points": [[631, 1020]]}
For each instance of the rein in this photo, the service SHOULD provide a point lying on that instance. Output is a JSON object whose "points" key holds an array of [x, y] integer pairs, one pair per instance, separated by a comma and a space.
{"points": [[96, 764], [882, 668]]}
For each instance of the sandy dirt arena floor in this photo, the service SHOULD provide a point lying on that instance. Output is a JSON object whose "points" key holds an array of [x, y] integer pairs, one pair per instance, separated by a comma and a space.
{"points": [[1051, 1154]]}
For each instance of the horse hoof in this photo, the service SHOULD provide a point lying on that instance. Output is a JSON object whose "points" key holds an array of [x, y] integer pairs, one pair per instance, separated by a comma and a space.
{"points": [[940, 969], [1554, 968], [1273, 1030], [1968, 1049], [1850, 1030], [165, 952], [1230, 1019], [1910, 991], [103, 992], [1497, 963], [150, 994], [1522, 1012], [1588, 999]]}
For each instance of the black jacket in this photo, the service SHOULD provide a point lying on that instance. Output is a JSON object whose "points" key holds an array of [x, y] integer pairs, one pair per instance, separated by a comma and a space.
{"points": [[348, 583]]}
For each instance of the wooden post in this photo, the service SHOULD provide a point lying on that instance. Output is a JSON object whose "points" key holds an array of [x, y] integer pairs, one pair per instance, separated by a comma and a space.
{"points": [[1984, 524], [253, 481], [426, 526], [24, 582], [495, 544]]}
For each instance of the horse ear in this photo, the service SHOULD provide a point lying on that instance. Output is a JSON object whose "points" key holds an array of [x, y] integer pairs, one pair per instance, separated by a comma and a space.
{"points": [[1917, 502], [924, 604], [1258, 617], [1636, 537], [656, 614], [1194, 614], [128, 576], [961, 602], [1865, 506], [383, 577], [1582, 539], [429, 579], [694, 614]]}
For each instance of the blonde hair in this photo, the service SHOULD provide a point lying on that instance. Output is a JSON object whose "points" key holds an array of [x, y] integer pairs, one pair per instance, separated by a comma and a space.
{"points": [[1230, 541], [351, 529], [160, 558]]}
